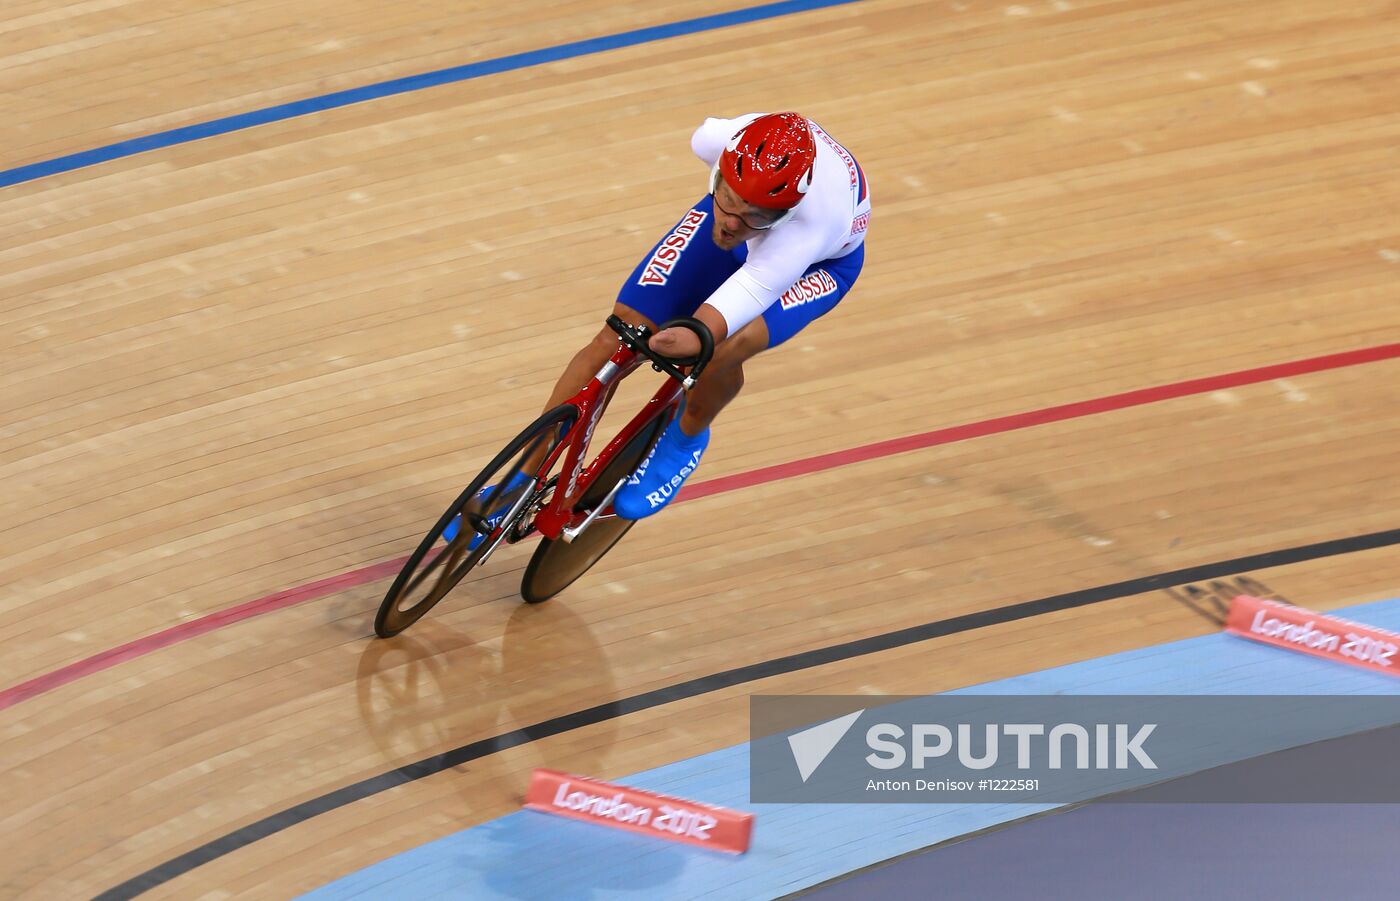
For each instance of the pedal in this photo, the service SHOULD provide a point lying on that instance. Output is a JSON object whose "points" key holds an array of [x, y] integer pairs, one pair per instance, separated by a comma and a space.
{"points": [[507, 523]]}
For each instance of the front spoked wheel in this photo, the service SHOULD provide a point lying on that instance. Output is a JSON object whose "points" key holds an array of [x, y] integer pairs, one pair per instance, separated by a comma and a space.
{"points": [[497, 507], [556, 563]]}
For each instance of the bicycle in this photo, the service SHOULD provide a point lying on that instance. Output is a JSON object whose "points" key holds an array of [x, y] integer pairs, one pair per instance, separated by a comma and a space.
{"points": [[577, 525]]}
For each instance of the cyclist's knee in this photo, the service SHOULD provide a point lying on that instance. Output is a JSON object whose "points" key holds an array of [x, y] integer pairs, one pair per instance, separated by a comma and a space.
{"points": [[630, 316], [734, 351], [721, 380], [604, 343]]}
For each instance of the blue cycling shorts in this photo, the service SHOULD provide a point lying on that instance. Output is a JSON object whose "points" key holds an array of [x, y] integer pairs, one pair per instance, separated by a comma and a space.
{"points": [[685, 267]]}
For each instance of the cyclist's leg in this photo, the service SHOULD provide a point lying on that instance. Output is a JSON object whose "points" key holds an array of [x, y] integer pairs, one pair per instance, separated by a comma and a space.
{"points": [[503, 501], [814, 295], [678, 452], [684, 265], [723, 379], [591, 357], [682, 269]]}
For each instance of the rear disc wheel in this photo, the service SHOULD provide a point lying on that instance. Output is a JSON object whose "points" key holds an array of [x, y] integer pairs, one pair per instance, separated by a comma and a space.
{"points": [[556, 563]]}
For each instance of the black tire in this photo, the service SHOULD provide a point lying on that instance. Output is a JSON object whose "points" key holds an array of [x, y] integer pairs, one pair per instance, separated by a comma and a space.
{"points": [[557, 563], [432, 570]]}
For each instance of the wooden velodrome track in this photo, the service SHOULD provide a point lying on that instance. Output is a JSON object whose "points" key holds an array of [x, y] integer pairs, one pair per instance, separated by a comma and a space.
{"points": [[244, 364]]}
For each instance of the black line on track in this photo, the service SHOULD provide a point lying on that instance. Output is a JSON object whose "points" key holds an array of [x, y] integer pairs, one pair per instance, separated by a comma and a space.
{"points": [[429, 766]]}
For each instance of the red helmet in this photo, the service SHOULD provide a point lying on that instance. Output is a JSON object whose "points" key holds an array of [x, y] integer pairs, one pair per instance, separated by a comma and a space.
{"points": [[769, 162]]}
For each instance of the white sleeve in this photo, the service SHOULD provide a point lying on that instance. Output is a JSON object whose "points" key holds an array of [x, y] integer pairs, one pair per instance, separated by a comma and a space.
{"points": [[769, 271], [709, 139]]}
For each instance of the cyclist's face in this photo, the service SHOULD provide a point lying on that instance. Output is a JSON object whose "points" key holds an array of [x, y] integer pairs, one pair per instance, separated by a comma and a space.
{"points": [[735, 219]]}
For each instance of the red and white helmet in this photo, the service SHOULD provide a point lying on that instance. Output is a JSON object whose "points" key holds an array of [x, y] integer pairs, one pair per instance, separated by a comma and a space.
{"points": [[768, 163]]}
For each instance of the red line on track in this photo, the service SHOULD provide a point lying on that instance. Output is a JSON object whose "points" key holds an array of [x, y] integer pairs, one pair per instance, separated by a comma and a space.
{"points": [[282, 599], [207, 623], [1038, 417]]}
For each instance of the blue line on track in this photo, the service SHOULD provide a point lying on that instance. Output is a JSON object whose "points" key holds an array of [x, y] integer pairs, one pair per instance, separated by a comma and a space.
{"points": [[389, 88]]}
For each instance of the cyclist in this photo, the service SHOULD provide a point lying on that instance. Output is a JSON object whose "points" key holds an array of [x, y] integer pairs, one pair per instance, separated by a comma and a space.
{"points": [[775, 244]]}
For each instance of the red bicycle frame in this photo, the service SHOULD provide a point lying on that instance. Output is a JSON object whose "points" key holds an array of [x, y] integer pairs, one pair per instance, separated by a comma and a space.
{"points": [[575, 479]]}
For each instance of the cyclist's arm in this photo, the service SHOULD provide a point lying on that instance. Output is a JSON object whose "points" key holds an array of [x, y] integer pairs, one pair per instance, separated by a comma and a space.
{"points": [[709, 139], [744, 296], [681, 342], [781, 260]]}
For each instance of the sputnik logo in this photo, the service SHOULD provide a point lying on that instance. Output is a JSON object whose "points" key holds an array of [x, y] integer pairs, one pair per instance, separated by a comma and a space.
{"points": [[812, 745]]}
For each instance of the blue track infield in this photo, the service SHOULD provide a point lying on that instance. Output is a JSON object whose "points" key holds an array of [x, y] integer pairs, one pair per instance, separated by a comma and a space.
{"points": [[532, 855]]}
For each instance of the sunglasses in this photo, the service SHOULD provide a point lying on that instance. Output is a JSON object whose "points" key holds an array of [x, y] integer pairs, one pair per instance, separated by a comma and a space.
{"points": [[749, 219]]}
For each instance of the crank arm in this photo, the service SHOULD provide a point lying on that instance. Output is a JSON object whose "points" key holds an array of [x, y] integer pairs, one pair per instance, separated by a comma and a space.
{"points": [[569, 534], [506, 525]]}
